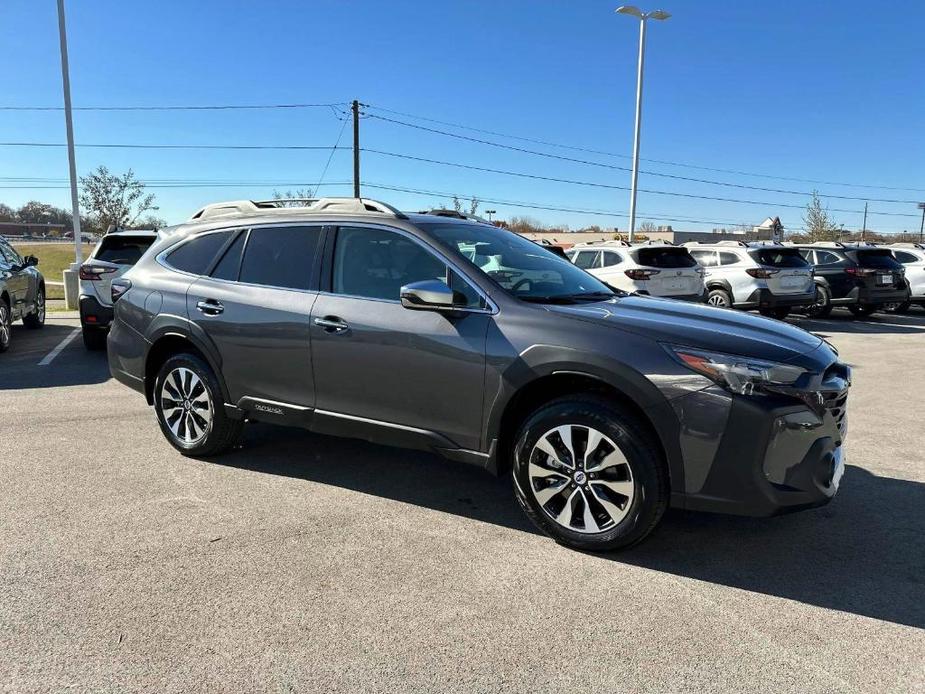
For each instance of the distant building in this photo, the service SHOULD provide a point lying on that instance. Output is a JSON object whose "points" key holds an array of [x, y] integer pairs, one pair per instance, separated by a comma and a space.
{"points": [[20, 230], [663, 233]]}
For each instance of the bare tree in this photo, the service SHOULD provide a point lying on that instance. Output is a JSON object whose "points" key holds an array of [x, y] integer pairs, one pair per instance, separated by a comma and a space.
{"points": [[286, 199], [114, 201], [647, 227], [473, 205], [817, 222]]}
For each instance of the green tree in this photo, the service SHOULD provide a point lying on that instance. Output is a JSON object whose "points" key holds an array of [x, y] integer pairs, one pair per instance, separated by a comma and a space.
{"points": [[113, 200], [817, 222]]}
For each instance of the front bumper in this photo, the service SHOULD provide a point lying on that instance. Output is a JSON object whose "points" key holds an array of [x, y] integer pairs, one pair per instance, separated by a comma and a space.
{"points": [[93, 314], [763, 298], [771, 454]]}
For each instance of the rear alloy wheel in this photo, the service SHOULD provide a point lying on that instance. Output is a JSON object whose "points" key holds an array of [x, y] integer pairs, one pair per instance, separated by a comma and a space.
{"points": [[822, 306], [586, 473], [902, 307], [36, 319], [6, 326], [188, 403], [719, 298], [862, 310], [779, 313]]}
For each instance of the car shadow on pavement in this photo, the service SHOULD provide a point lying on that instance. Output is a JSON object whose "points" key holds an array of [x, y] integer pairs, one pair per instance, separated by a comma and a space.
{"points": [[841, 321], [862, 554], [73, 366]]}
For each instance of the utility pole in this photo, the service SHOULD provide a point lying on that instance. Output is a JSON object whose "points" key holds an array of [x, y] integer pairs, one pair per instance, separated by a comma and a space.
{"points": [[356, 148], [922, 226], [71, 160], [864, 226]]}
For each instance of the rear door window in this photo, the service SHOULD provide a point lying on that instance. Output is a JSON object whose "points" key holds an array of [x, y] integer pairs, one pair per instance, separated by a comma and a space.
{"points": [[230, 263], [666, 257], [906, 258], [280, 256], [705, 258], [728, 258], [779, 257], [196, 255], [880, 258], [588, 259], [123, 250], [826, 258], [611, 258]]}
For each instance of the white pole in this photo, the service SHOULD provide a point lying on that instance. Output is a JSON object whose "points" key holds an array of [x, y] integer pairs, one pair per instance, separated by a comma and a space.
{"points": [[72, 163], [642, 54]]}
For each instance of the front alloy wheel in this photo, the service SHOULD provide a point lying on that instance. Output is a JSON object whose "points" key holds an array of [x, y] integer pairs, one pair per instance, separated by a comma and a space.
{"points": [[589, 473], [580, 479], [36, 319]]}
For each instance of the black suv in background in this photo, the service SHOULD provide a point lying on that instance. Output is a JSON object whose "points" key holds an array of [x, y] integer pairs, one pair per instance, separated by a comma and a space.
{"points": [[858, 276], [348, 317]]}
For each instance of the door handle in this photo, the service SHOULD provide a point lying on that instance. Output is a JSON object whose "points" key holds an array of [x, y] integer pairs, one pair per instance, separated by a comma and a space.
{"points": [[210, 307], [331, 324]]}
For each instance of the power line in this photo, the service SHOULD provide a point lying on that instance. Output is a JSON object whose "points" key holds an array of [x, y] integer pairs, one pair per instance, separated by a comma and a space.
{"points": [[609, 186], [211, 107], [654, 161], [624, 168], [123, 145]]}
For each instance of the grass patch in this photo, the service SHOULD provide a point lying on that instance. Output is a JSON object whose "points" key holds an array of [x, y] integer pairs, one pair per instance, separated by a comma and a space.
{"points": [[54, 259]]}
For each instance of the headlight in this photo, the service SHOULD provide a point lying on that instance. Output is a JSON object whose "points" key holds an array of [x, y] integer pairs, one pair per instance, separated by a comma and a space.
{"points": [[737, 374]]}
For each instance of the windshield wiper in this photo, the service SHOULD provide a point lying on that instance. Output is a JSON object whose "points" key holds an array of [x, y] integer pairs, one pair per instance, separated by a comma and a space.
{"points": [[568, 298]]}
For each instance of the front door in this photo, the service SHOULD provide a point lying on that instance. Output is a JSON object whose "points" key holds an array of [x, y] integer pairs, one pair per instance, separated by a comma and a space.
{"points": [[16, 278], [398, 368]]}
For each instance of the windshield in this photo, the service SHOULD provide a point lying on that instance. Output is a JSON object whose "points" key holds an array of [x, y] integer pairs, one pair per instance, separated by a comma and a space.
{"points": [[524, 269]]}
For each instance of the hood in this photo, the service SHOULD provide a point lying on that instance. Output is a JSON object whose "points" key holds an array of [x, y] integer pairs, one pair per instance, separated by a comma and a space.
{"points": [[698, 325]]}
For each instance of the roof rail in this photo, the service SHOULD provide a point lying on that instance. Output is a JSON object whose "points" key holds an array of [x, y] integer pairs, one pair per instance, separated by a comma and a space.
{"points": [[655, 242], [907, 244], [765, 242], [827, 244], [237, 208], [455, 214]]}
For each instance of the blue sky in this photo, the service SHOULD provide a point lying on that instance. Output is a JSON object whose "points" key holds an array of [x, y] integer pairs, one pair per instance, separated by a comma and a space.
{"points": [[825, 91]]}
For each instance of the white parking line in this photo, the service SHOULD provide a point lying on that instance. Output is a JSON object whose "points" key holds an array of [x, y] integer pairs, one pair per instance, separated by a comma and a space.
{"points": [[57, 350]]}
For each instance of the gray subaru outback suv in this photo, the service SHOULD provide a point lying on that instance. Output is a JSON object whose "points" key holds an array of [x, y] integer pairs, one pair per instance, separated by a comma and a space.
{"points": [[348, 317]]}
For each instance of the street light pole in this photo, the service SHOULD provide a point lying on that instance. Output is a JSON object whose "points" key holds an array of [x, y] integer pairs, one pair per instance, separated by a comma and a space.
{"points": [[922, 226], [490, 213], [642, 16], [71, 160]]}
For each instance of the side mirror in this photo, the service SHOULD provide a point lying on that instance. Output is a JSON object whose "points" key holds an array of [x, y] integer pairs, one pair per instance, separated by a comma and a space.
{"points": [[31, 261], [428, 295]]}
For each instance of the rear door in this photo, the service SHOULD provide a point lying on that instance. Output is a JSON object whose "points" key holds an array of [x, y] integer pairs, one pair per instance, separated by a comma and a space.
{"points": [[791, 273], [254, 303], [833, 269], [915, 270]]}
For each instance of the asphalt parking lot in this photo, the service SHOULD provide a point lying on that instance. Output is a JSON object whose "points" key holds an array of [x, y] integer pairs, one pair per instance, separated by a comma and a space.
{"points": [[308, 563]]}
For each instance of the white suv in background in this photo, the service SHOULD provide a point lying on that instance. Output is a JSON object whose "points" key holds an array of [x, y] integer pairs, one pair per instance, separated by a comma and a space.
{"points": [[912, 256], [655, 269], [767, 276], [113, 256]]}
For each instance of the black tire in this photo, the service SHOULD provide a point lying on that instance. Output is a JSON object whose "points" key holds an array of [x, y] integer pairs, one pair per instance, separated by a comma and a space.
{"points": [[218, 435], [36, 319], [863, 310], [6, 326], [647, 474], [902, 307], [779, 313], [719, 298], [823, 304], [94, 338]]}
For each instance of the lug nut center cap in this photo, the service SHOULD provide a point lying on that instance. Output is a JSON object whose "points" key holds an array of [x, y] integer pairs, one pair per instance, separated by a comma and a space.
{"points": [[580, 477]]}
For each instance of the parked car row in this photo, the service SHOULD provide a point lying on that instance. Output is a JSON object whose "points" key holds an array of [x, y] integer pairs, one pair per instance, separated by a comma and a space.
{"points": [[771, 277], [22, 292]]}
